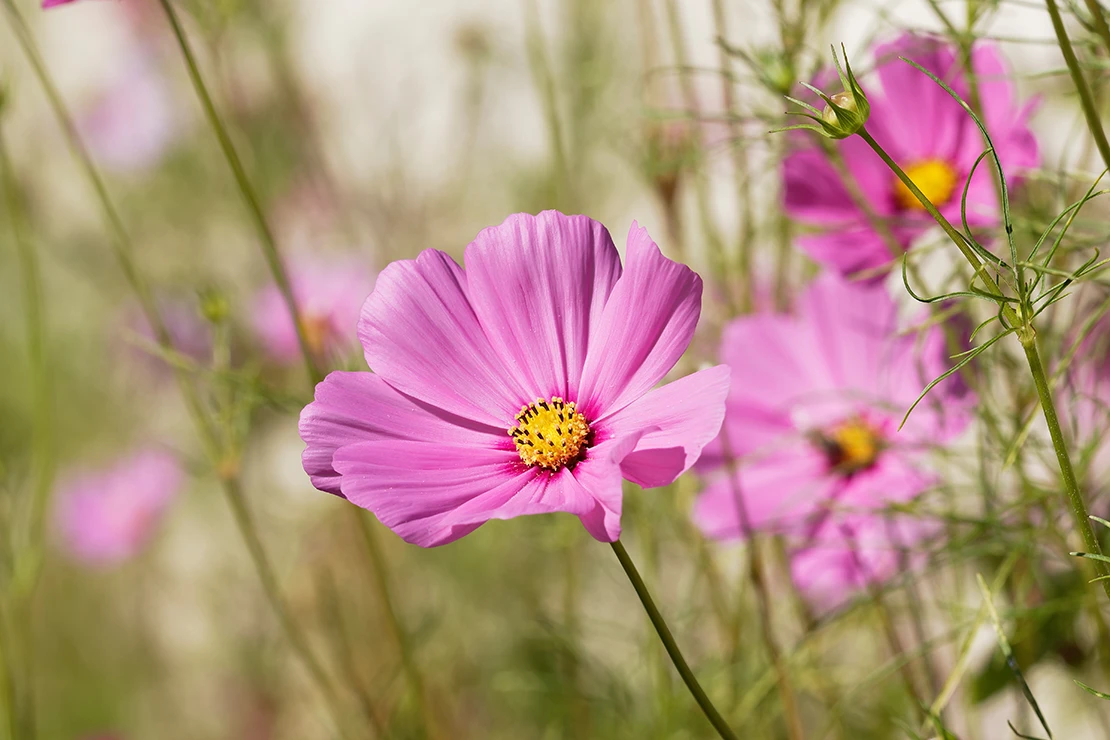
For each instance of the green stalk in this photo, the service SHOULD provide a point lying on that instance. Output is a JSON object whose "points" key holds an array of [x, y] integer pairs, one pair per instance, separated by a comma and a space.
{"points": [[246, 189], [1099, 20], [404, 647], [671, 646], [28, 564], [123, 250], [1086, 99], [270, 586], [1028, 337]]}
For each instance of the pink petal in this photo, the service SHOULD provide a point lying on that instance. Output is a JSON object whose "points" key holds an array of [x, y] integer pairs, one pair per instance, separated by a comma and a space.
{"points": [[781, 492], [538, 285], [687, 414], [646, 326], [421, 334], [357, 407], [412, 486], [928, 120], [854, 250]]}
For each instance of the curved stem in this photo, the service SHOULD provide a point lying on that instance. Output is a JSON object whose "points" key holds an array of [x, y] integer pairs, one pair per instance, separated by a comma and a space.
{"points": [[404, 647], [1086, 99], [1028, 336], [293, 632], [671, 646], [250, 197], [123, 250]]}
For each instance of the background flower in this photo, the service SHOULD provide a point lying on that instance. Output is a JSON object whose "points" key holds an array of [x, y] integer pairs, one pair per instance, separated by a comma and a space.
{"points": [[106, 516], [930, 136]]}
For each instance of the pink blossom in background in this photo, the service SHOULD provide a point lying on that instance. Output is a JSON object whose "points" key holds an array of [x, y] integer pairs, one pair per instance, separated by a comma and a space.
{"points": [[930, 136], [106, 516], [134, 122], [329, 292], [848, 554], [190, 333], [813, 413], [522, 384]]}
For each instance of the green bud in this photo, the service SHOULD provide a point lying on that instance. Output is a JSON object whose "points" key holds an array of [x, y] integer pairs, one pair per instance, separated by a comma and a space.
{"points": [[845, 113], [214, 306]]}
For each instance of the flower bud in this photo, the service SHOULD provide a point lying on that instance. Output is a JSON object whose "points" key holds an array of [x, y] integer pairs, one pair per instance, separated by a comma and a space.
{"points": [[845, 114]]}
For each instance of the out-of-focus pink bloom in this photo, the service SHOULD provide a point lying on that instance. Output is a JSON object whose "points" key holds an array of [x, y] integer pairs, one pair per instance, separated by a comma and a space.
{"points": [[847, 554], [190, 333], [930, 136], [106, 516], [329, 293], [520, 385], [813, 413], [134, 122]]}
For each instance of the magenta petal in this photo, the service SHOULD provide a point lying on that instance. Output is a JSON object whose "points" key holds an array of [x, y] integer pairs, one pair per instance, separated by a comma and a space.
{"points": [[358, 407], [538, 285], [646, 326], [781, 492], [421, 334], [687, 414], [412, 486]]}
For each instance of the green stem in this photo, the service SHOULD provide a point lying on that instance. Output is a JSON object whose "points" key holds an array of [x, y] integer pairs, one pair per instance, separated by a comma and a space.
{"points": [[1086, 99], [250, 197], [29, 563], [671, 646], [1099, 21], [293, 633], [1028, 336], [1071, 485], [123, 251], [385, 594]]}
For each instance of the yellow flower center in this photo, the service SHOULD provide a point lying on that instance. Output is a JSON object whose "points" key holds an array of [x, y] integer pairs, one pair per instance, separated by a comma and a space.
{"points": [[935, 178], [852, 446], [550, 434], [317, 332]]}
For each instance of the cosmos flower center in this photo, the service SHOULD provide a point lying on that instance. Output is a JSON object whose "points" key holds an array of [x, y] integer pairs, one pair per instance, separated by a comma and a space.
{"points": [[935, 178], [852, 446], [317, 332], [550, 434]]}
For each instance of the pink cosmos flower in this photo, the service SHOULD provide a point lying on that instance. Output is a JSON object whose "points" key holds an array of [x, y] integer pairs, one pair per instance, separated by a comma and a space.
{"points": [[329, 293], [133, 124], [522, 384], [190, 334], [930, 136], [849, 554], [107, 516], [813, 413]]}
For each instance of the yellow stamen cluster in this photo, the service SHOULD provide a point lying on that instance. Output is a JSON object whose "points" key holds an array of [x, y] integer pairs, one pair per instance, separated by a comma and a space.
{"points": [[550, 434], [935, 178], [853, 446]]}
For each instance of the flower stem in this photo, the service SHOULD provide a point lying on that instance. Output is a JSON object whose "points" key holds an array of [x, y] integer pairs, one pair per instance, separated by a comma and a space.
{"points": [[123, 251], [671, 646], [28, 563], [1086, 99], [1028, 336], [293, 632], [250, 197], [404, 647]]}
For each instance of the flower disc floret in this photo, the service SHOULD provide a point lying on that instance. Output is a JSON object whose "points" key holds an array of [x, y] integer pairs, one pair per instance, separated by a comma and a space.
{"points": [[550, 434]]}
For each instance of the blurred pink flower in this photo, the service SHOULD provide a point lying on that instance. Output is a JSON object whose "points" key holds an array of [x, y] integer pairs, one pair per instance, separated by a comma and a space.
{"points": [[190, 333], [520, 385], [930, 136], [847, 555], [329, 292], [106, 516], [134, 122], [813, 413]]}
